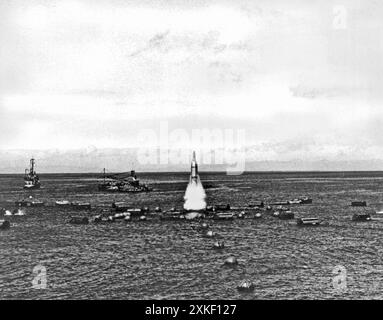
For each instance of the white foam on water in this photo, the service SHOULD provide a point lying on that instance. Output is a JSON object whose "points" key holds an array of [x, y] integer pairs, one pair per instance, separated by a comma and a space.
{"points": [[20, 213]]}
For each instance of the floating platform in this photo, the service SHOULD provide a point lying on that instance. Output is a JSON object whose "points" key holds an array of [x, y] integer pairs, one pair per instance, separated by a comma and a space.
{"points": [[359, 204], [172, 216], [259, 204], [218, 207], [302, 200], [286, 215], [309, 222], [62, 203], [81, 205], [279, 203], [29, 203], [224, 216], [361, 217]]}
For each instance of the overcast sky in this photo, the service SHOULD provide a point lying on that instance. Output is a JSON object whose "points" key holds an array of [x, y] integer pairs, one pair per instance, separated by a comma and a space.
{"points": [[303, 78]]}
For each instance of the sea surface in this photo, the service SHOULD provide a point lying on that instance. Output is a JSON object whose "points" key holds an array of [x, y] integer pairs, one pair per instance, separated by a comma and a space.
{"points": [[172, 260]]}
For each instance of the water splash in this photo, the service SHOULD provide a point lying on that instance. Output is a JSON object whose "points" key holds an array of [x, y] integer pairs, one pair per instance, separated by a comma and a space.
{"points": [[195, 195]]}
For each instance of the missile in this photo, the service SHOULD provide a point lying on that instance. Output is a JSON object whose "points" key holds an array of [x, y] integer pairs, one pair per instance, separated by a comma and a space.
{"points": [[194, 168]]}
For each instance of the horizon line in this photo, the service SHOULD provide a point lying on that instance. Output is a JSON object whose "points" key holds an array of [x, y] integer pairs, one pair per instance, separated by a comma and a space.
{"points": [[218, 171]]}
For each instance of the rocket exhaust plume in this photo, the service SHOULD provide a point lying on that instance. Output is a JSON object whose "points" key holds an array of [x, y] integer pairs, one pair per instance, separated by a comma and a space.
{"points": [[195, 194]]}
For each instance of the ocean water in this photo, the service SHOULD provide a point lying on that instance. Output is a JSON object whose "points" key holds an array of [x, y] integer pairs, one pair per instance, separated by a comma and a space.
{"points": [[172, 260]]}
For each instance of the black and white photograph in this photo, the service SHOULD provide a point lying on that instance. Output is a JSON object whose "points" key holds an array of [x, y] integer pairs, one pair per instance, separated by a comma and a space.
{"points": [[178, 150]]}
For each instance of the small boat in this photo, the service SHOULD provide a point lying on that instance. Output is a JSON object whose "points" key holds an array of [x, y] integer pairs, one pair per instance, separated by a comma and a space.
{"points": [[62, 203], [176, 215], [358, 203], [121, 206], [361, 217], [122, 215], [285, 215], [81, 205], [259, 204], [306, 200], [123, 182], [224, 216], [246, 286], [7, 213], [295, 201], [218, 207], [79, 220], [279, 203], [308, 222], [136, 212], [279, 210], [29, 202]]}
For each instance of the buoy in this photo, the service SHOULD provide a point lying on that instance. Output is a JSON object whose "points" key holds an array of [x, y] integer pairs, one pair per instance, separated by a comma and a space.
{"points": [[204, 226], [142, 218], [127, 218], [97, 219], [157, 209], [258, 215], [218, 245], [210, 234], [241, 215], [231, 261]]}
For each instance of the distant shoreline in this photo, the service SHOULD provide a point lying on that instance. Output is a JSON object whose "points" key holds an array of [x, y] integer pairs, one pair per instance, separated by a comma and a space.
{"points": [[206, 172]]}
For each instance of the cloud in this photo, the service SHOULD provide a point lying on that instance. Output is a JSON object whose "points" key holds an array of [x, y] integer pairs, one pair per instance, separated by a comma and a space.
{"points": [[79, 73], [156, 41]]}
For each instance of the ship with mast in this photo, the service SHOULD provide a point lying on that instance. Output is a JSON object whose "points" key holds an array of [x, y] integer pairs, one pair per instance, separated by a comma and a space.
{"points": [[122, 182], [31, 179]]}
